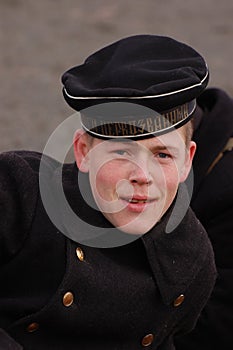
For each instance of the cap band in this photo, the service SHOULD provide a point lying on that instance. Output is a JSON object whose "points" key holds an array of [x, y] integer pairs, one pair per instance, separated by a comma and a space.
{"points": [[137, 126]]}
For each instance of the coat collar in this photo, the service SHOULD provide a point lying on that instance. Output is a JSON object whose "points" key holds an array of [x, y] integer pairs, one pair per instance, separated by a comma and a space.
{"points": [[176, 257]]}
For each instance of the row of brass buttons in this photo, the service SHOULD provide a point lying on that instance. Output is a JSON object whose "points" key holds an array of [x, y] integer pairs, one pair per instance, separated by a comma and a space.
{"points": [[68, 297], [149, 338], [68, 300]]}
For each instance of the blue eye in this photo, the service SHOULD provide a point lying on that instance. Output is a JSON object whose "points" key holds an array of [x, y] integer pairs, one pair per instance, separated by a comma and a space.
{"points": [[120, 152], [163, 155]]}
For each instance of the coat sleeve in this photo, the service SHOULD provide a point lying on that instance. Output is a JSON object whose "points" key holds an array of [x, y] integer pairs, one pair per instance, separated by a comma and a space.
{"points": [[18, 195]]}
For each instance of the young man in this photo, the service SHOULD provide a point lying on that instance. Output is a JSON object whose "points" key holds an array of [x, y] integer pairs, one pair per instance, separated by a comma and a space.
{"points": [[136, 267]]}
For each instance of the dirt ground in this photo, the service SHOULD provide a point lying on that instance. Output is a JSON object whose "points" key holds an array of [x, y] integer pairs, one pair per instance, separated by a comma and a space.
{"points": [[41, 39]]}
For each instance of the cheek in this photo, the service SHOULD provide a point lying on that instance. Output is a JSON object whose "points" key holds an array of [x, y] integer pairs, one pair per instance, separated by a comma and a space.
{"points": [[171, 177], [104, 179]]}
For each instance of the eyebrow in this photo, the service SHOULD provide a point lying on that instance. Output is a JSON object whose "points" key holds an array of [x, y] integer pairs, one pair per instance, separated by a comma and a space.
{"points": [[164, 148], [153, 149]]}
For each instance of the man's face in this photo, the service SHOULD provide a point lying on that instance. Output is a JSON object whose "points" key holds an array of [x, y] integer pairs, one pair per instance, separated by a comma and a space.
{"points": [[135, 182]]}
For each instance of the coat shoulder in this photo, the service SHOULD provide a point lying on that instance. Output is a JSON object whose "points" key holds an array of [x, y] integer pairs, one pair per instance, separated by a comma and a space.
{"points": [[19, 190]]}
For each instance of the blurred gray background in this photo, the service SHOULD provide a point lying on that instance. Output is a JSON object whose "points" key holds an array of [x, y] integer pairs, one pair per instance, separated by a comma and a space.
{"points": [[41, 39]]}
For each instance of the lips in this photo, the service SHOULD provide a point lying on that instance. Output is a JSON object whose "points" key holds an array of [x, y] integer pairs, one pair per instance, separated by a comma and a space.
{"points": [[137, 204], [137, 199]]}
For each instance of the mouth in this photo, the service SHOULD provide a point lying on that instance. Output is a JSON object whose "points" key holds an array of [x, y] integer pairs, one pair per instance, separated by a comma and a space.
{"points": [[137, 204], [134, 200]]}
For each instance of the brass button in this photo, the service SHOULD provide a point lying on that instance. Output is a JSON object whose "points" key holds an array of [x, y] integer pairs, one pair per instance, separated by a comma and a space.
{"points": [[68, 299], [80, 254], [32, 327], [179, 300], [148, 340]]}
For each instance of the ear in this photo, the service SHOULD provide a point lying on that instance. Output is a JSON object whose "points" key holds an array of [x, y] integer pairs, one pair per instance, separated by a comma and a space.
{"points": [[81, 149], [190, 151]]}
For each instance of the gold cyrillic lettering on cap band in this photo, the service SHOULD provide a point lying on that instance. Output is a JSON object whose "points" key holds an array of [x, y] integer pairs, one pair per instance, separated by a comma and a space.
{"points": [[137, 127]]}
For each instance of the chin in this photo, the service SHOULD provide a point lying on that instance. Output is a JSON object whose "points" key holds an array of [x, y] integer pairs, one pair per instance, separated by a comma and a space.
{"points": [[135, 225], [136, 229]]}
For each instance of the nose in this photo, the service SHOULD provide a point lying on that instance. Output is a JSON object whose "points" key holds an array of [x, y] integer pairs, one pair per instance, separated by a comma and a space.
{"points": [[140, 174]]}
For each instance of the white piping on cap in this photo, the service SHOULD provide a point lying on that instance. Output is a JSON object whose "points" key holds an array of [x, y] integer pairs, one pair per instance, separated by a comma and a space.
{"points": [[136, 97]]}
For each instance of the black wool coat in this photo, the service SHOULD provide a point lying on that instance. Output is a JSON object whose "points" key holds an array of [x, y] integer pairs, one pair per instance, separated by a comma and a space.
{"points": [[212, 202], [57, 294]]}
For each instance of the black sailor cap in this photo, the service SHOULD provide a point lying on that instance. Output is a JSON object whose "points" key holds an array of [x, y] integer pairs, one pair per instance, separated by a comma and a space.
{"points": [[139, 86]]}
